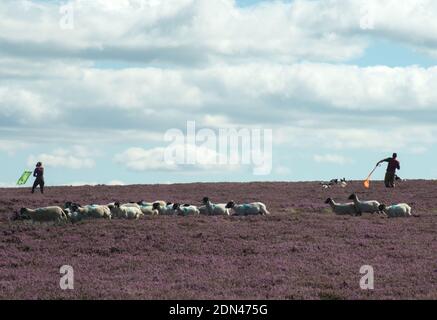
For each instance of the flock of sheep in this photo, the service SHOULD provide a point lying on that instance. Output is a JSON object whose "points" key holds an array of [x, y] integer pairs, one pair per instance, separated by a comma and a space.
{"points": [[73, 212], [358, 207]]}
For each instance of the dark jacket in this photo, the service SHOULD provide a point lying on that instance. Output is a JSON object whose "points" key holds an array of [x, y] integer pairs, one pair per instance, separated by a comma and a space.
{"points": [[393, 165], [39, 173]]}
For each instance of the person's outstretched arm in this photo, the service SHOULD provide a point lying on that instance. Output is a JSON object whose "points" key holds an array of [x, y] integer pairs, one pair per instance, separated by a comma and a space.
{"points": [[384, 160]]}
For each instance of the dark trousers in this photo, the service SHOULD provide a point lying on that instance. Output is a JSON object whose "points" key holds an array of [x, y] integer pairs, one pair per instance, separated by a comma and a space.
{"points": [[38, 182], [390, 179]]}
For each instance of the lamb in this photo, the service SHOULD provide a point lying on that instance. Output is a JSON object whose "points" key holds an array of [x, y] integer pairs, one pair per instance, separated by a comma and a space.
{"points": [[215, 209], [48, 214], [186, 209], [364, 206], [342, 208], [255, 208], [163, 208], [397, 210], [126, 212], [93, 211]]}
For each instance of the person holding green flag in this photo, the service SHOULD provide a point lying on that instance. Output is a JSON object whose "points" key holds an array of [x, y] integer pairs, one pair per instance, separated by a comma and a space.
{"points": [[38, 173]]}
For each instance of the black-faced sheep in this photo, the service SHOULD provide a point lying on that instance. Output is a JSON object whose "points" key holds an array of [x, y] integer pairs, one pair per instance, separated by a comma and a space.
{"points": [[397, 210], [215, 209], [185, 210], [255, 208], [371, 206], [342, 208]]}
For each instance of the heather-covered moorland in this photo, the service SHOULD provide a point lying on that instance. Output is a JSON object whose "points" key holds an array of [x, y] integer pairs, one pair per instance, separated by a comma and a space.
{"points": [[301, 251]]}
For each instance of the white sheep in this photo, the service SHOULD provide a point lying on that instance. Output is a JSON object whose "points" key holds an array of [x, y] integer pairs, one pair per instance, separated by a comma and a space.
{"points": [[215, 209], [371, 206], [255, 208], [186, 209], [397, 210], [163, 208], [94, 211], [147, 208], [342, 208], [126, 212], [48, 214]]}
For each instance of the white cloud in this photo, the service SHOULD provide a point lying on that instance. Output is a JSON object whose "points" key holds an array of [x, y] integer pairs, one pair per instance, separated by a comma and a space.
{"points": [[76, 158], [116, 183], [331, 158], [386, 139], [173, 158], [196, 31], [189, 31], [11, 146]]}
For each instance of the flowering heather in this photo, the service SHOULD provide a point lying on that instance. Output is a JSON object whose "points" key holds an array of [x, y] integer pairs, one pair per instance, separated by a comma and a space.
{"points": [[301, 251]]}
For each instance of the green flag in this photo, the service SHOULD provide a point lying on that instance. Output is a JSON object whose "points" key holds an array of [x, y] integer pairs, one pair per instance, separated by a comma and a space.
{"points": [[24, 177]]}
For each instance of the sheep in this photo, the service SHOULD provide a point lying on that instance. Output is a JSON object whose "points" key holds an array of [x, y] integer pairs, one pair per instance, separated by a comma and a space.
{"points": [[342, 208], [131, 205], [397, 210], [186, 209], [94, 211], [163, 208], [364, 206], [332, 182], [249, 209], [203, 210], [55, 214], [215, 209], [147, 208], [126, 212]]}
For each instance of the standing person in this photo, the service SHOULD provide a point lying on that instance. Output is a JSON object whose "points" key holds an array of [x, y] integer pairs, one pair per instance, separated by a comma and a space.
{"points": [[390, 175], [38, 173]]}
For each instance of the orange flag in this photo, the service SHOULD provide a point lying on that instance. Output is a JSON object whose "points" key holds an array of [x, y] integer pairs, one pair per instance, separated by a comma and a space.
{"points": [[367, 181]]}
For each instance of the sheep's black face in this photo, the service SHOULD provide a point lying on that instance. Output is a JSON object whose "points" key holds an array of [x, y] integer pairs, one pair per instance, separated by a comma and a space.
{"points": [[22, 211], [205, 200], [381, 207], [156, 205], [176, 206], [352, 197], [328, 200], [230, 205], [117, 204]]}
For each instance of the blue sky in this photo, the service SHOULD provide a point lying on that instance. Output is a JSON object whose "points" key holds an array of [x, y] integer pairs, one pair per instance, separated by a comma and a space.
{"points": [[92, 88]]}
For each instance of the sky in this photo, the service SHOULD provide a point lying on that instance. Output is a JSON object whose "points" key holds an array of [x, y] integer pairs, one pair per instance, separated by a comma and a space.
{"points": [[94, 88]]}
